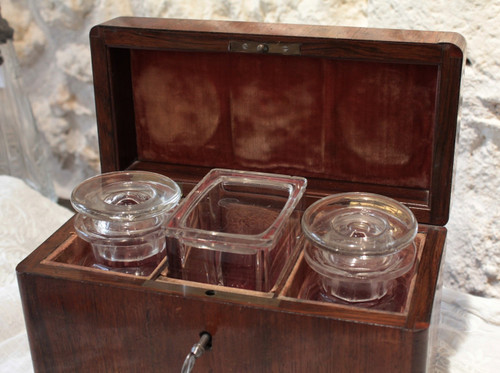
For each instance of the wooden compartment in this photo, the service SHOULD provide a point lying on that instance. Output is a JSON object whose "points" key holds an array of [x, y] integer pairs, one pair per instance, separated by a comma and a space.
{"points": [[350, 109], [397, 301]]}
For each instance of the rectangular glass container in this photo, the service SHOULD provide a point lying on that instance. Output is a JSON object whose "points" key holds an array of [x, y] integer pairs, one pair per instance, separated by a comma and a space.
{"points": [[235, 229]]}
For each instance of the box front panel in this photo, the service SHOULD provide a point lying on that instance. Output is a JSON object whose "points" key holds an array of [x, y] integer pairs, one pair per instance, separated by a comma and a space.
{"points": [[90, 327]]}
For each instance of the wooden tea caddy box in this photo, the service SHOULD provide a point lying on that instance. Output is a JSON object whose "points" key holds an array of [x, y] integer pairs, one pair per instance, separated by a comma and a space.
{"points": [[350, 109]]}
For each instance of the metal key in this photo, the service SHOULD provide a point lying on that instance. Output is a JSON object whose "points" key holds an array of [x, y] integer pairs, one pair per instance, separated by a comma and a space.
{"points": [[196, 351]]}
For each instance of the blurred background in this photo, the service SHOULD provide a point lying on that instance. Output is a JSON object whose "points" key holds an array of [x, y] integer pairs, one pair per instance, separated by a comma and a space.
{"points": [[51, 44]]}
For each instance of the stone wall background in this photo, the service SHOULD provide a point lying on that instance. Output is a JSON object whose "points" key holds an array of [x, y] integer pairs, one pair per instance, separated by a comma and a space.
{"points": [[51, 39]]}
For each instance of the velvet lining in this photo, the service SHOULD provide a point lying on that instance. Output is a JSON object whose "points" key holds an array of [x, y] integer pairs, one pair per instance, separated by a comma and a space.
{"points": [[367, 122]]}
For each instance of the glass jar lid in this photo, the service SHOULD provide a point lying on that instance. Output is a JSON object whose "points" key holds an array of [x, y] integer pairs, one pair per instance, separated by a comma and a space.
{"points": [[125, 196], [359, 224]]}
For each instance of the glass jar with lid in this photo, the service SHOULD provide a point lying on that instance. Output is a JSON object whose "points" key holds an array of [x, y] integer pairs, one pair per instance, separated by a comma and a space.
{"points": [[358, 244], [123, 216]]}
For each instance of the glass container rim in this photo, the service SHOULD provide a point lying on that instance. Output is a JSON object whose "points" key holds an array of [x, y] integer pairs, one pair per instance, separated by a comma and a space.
{"points": [[354, 245], [295, 186], [88, 198]]}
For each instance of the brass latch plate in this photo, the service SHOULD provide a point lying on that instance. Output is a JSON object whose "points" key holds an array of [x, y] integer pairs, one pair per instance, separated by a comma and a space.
{"points": [[263, 48]]}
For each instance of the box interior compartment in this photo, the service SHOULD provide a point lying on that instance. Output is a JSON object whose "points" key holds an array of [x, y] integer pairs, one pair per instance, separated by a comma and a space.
{"points": [[397, 300], [77, 253]]}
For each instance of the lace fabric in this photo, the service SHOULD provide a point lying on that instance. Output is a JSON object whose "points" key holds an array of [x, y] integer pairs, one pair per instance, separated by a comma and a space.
{"points": [[27, 218]]}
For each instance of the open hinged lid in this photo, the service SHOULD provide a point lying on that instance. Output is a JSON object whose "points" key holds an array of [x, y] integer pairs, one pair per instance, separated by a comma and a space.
{"points": [[350, 109]]}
